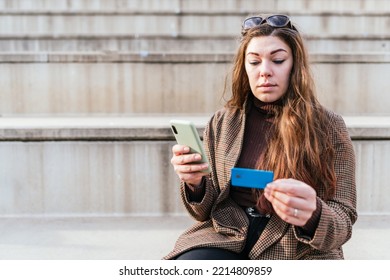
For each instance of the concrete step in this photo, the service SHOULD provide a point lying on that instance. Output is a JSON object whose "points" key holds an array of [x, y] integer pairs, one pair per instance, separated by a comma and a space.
{"points": [[142, 238], [125, 43], [180, 6], [182, 24], [205, 25], [104, 83], [73, 167]]}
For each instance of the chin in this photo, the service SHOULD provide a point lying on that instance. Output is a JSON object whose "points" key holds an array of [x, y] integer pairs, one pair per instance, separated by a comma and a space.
{"points": [[266, 98]]}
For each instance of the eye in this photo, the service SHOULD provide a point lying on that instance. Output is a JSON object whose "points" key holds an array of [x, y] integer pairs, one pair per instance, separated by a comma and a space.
{"points": [[254, 62], [278, 61]]}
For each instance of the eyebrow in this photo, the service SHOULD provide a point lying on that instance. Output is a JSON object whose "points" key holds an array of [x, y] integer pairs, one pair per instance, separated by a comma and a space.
{"points": [[271, 53], [278, 50]]}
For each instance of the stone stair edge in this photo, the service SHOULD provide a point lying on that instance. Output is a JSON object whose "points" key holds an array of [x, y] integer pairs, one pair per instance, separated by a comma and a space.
{"points": [[174, 57], [179, 4], [144, 127], [129, 36], [187, 12], [184, 25]]}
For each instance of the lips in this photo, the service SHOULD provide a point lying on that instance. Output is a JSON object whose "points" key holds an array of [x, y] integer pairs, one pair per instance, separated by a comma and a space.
{"points": [[267, 85]]}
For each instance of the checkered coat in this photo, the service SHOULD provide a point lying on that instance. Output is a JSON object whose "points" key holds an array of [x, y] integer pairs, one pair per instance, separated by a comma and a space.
{"points": [[221, 223]]}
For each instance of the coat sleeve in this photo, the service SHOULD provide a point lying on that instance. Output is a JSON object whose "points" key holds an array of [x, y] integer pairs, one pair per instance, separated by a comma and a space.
{"points": [[201, 210], [339, 213]]}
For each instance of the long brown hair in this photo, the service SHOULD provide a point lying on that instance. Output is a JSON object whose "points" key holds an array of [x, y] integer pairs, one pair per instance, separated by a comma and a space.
{"points": [[299, 147]]}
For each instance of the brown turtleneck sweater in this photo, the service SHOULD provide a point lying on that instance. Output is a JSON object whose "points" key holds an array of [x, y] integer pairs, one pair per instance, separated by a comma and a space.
{"points": [[258, 128]]}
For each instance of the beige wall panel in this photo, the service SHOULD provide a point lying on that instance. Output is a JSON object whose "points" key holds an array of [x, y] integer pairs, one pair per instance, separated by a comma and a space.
{"points": [[87, 178], [354, 88], [149, 88], [194, 44], [199, 5], [373, 176], [113, 88], [182, 25], [132, 178]]}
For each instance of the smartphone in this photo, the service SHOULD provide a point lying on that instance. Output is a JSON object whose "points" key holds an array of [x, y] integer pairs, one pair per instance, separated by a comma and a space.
{"points": [[251, 178], [186, 134]]}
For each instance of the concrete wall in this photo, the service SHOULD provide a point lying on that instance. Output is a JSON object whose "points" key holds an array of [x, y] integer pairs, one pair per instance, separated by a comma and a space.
{"points": [[350, 84], [335, 6], [87, 178], [168, 44], [126, 57], [181, 25], [68, 69], [120, 166]]}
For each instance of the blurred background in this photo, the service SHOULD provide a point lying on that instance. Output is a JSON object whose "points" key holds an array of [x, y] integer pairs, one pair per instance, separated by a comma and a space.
{"points": [[87, 91]]}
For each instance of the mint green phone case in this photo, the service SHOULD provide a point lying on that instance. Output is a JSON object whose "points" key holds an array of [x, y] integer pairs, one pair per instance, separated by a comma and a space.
{"points": [[186, 134]]}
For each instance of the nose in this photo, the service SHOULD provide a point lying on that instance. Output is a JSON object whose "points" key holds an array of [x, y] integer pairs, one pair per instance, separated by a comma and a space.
{"points": [[265, 69]]}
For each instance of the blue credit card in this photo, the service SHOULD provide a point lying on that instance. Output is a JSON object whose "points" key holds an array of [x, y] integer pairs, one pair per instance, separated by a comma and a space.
{"points": [[251, 178]]}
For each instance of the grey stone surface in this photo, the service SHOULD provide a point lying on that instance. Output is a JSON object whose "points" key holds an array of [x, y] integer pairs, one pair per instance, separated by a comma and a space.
{"points": [[88, 44], [59, 58], [186, 6], [93, 84], [144, 126], [141, 238], [120, 166]]}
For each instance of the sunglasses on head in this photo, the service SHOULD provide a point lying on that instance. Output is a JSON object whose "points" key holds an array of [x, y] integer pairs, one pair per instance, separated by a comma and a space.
{"points": [[274, 21]]}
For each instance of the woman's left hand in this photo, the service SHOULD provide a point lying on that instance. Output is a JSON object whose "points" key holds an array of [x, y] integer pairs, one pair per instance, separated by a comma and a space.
{"points": [[293, 200]]}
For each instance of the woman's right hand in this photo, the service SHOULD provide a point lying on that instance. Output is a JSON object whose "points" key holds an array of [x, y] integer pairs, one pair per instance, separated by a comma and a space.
{"points": [[185, 165]]}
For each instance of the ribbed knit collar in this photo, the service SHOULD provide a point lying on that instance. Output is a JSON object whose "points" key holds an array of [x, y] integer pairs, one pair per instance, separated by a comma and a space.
{"points": [[270, 109]]}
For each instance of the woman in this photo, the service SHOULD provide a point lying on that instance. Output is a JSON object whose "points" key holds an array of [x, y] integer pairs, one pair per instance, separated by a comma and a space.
{"points": [[272, 121]]}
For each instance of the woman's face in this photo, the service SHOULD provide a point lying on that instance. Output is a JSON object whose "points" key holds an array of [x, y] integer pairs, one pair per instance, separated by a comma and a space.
{"points": [[268, 64]]}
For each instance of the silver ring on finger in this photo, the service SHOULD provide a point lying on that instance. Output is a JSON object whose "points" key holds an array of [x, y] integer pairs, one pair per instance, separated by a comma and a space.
{"points": [[295, 212]]}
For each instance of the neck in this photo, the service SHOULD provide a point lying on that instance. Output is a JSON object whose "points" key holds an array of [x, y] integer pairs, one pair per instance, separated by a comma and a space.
{"points": [[269, 108]]}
